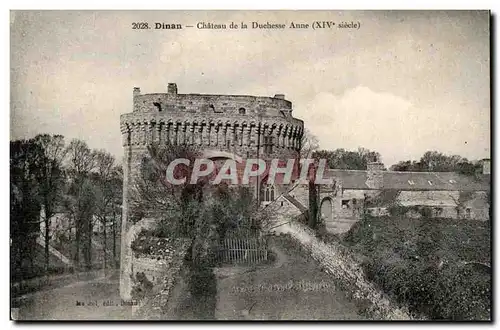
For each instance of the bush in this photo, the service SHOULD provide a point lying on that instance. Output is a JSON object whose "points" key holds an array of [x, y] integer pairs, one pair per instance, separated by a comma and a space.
{"points": [[420, 263], [141, 286]]}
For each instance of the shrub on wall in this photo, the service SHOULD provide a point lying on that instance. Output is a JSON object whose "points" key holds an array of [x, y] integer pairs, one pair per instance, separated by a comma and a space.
{"points": [[141, 286]]}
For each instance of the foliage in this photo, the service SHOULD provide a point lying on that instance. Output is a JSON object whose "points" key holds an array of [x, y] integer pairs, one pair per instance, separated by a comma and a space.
{"points": [[308, 144], [48, 177], [201, 212], [434, 161], [348, 160], [141, 286], [108, 180], [25, 203], [153, 195], [422, 262]]}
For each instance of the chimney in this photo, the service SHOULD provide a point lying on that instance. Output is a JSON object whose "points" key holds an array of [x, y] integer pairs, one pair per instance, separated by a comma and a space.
{"points": [[279, 96], [375, 175], [172, 88], [486, 166], [135, 101]]}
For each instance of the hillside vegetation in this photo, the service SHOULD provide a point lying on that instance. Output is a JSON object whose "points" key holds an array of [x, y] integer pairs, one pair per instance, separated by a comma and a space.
{"points": [[438, 267]]}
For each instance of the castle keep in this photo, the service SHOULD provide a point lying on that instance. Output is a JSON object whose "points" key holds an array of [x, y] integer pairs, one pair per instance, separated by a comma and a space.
{"points": [[246, 126]]}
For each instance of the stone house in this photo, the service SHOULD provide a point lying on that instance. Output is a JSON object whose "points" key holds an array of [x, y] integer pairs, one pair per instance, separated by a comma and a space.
{"points": [[377, 192]]}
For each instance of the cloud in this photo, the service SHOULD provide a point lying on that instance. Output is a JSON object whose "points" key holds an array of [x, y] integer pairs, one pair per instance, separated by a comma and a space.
{"points": [[388, 124], [399, 91]]}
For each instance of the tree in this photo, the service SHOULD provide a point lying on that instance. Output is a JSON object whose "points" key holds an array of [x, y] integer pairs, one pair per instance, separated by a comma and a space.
{"points": [[407, 166], [153, 195], [434, 161], [50, 178], [25, 159], [201, 212], [348, 160], [80, 197], [108, 189], [439, 162], [308, 144]]}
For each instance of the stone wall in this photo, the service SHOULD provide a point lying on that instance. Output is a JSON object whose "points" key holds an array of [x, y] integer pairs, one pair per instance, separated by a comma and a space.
{"points": [[164, 272], [338, 262], [126, 266], [479, 206]]}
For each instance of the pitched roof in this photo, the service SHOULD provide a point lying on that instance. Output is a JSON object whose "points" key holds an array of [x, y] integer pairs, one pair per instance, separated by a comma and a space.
{"points": [[356, 179], [350, 179]]}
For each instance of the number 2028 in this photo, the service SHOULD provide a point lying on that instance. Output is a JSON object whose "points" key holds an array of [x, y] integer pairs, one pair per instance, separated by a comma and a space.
{"points": [[139, 26]]}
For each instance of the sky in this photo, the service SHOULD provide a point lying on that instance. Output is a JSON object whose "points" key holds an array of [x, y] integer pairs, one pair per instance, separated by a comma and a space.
{"points": [[403, 83]]}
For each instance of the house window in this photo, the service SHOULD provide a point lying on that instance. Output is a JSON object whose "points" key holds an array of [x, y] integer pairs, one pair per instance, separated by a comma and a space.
{"points": [[242, 111], [268, 193], [438, 211], [467, 213], [345, 203], [411, 182]]}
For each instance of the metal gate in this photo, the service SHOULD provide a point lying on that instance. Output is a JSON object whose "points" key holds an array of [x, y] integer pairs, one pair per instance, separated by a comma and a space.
{"points": [[247, 250]]}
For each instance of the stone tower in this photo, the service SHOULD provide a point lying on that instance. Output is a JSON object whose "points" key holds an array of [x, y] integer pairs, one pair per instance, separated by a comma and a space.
{"points": [[247, 126]]}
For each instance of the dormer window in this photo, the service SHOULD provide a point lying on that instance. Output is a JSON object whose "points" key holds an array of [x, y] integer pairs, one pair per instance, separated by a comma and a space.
{"points": [[411, 183]]}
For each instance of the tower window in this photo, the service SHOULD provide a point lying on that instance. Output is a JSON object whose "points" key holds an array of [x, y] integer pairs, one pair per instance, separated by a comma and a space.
{"points": [[268, 144], [212, 107], [157, 105]]}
